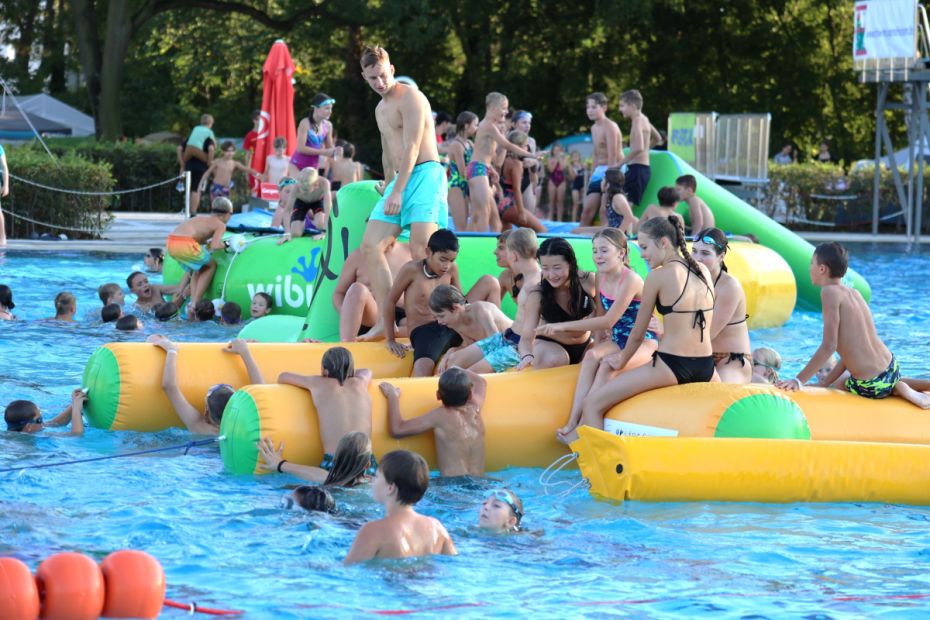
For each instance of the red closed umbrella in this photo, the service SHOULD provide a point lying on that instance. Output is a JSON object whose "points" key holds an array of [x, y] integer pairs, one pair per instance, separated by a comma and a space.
{"points": [[277, 105]]}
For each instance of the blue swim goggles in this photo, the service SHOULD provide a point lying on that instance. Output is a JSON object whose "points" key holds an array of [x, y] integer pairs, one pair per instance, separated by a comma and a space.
{"points": [[508, 498], [710, 241]]}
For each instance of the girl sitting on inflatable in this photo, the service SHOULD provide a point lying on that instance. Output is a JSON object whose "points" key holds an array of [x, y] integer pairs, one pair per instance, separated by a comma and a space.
{"points": [[729, 332], [685, 354], [565, 293], [619, 290]]}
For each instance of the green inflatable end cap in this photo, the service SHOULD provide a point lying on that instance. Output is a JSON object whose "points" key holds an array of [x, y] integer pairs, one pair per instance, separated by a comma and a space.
{"points": [[102, 380], [763, 416], [241, 429]]}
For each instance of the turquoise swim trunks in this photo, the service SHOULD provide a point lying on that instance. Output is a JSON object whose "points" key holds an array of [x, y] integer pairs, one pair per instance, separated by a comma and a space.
{"points": [[500, 352], [424, 198]]}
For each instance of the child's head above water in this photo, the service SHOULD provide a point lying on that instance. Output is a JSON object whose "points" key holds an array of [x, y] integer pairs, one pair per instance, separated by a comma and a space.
{"points": [[454, 387], [128, 323], [766, 363], [314, 499], [154, 259], [338, 364], [351, 460], [261, 306], [23, 416], [110, 313], [830, 260], [6, 297], [110, 293], [824, 371], [501, 511], [403, 477], [138, 284], [204, 310], [166, 311], [215, 402], [65, 303], [231, 313]]}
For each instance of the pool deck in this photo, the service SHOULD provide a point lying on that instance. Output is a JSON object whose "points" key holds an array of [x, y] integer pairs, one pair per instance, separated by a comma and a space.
{"points": [[133, 232]]}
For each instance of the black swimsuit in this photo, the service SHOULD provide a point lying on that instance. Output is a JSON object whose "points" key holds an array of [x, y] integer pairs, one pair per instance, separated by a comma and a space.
{"points": [[552, 312], [687, 369]]}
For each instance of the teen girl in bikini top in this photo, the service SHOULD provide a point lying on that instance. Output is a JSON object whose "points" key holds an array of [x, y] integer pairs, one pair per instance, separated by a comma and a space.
{"points": [[687, 369], [552, 312]]}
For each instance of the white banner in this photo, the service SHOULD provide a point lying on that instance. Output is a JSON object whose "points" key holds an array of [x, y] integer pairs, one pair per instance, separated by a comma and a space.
{"points": [[884, 29]]}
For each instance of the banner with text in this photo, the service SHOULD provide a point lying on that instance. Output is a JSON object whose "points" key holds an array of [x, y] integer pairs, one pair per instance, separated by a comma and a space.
{"points": [[884, 29]]}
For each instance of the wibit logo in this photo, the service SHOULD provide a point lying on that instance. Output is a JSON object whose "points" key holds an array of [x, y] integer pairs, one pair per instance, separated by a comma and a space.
{"points": [[285, 291]]}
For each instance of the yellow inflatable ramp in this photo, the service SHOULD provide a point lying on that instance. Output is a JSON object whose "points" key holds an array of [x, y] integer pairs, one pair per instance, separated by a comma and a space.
{"points": [[668, 469]]}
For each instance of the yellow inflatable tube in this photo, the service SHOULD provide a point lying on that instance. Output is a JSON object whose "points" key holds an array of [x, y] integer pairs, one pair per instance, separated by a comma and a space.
{"points": [[521, 414], [661, 469], [124, 379]]}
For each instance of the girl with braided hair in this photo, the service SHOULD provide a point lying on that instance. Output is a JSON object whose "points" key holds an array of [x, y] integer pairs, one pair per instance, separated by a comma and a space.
{"points": [[685, 354]]}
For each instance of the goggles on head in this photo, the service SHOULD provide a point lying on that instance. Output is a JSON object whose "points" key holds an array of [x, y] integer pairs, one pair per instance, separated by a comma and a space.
{"points": [[508, 498]]}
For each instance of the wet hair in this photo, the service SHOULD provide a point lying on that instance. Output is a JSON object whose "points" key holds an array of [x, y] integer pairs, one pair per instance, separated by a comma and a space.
{"points": [[444, 297], [373, 55], [672, 229], [157, 255], [221, 204], [166, 311], [443, 240], [204, 310], [314, 499], [615, 238], [494, 99], [216, 403], [64, 302], [409, 474], [834, 257], [279, 143], [106, 291], [442, 117], [598, 98], [231, 313], [557, 246], [668, 197], [6, 297], [523, 242], [351, 460], [687, 180], [227, 145], [454, 387], [633, 97], [517, 137], [768, 359], [19, 413], [128, 323], [110, 313], [720, 244], [348, 149], [615, 179], [256, 114], [130, 278], [463, 120], [268, 299], [338, 364]]}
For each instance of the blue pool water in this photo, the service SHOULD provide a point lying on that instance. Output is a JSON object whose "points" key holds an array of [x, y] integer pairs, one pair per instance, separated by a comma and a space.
{"points": [[227, 541]]}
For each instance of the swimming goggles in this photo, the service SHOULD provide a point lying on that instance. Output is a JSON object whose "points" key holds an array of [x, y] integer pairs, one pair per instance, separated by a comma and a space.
{"points": [[711, 241], [18, 427], [329, 101], [285, 182], [508, 498]]}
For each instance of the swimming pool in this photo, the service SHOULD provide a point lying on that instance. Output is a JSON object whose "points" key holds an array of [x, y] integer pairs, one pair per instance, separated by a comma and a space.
{"points": [[227, 542]]}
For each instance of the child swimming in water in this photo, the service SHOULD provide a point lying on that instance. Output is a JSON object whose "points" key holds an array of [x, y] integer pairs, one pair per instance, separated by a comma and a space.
{"points": [[401, 482], [23, 416], [6, 303], [351, 463], [766, 363], [262, 303], [501, 511]]}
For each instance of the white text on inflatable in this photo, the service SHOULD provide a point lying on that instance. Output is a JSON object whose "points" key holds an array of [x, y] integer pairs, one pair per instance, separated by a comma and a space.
{"points": [[284, 291]]}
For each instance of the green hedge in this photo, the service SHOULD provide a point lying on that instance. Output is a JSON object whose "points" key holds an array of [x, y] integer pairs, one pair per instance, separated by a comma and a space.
{"points": [[826, 194], [86, 213]]}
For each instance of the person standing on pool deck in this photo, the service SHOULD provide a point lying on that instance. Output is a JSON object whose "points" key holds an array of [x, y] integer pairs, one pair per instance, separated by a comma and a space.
{"points": [[642, 136], [607, 141], [414, 188], [848, 329], [314, 136]]}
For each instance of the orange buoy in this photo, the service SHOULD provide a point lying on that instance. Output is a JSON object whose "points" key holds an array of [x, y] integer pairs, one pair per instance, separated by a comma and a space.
{"points": [[19, 597], [135, 585], [71, 587]]}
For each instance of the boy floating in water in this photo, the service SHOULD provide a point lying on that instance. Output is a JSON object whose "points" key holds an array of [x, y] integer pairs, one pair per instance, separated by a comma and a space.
{"points": [[23, 416], [184, 246], [848, 329], [401, 482]]}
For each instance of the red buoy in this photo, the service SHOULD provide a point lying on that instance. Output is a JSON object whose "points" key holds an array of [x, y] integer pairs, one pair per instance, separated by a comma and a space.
{"points": [[19, 597], [71, 586], [135, 585]]}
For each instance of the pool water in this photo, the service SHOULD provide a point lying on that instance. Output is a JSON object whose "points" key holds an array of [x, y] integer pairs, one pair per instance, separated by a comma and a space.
{"points": [[228, 542]]}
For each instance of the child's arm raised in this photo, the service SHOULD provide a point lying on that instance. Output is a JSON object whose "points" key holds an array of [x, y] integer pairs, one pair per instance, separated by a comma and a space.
{"points": [[502, 140], [399, 427], [72, 413], [241, 348], [830, 300], [272, 460], [479, 388], [169, 383]]}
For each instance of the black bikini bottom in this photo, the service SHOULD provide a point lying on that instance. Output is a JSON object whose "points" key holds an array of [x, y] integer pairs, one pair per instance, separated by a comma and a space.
{"points": [[687, 369], [575, 351]]}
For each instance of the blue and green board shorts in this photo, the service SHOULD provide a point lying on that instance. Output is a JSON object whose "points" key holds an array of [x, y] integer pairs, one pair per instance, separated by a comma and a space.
{"points": [[499, 352], [881, 386], [424, 199]]}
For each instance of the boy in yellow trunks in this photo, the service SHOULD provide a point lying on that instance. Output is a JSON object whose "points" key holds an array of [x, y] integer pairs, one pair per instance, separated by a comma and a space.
{"points": [[184, 246], [848, 329]]}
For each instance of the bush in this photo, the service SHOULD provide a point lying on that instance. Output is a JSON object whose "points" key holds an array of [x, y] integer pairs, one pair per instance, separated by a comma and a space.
{"points": [[82, 216]]}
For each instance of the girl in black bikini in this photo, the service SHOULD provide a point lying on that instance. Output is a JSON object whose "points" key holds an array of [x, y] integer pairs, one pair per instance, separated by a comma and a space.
{"points": [[685, 351], [729, 332], [565, 294]]}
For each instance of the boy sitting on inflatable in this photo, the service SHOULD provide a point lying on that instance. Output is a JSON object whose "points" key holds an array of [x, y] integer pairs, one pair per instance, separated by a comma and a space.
{"points": [[457, 424], [480, 323], [849, 330]]}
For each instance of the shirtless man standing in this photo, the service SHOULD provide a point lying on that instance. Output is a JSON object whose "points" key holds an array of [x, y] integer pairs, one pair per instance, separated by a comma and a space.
{"points": [[414, 196], [608, 149], [642, 137]]}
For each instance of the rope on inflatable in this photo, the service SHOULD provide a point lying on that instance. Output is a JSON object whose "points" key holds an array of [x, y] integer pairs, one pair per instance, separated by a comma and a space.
{"points": [[545, 478], [185, 446], [194, 608]]}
